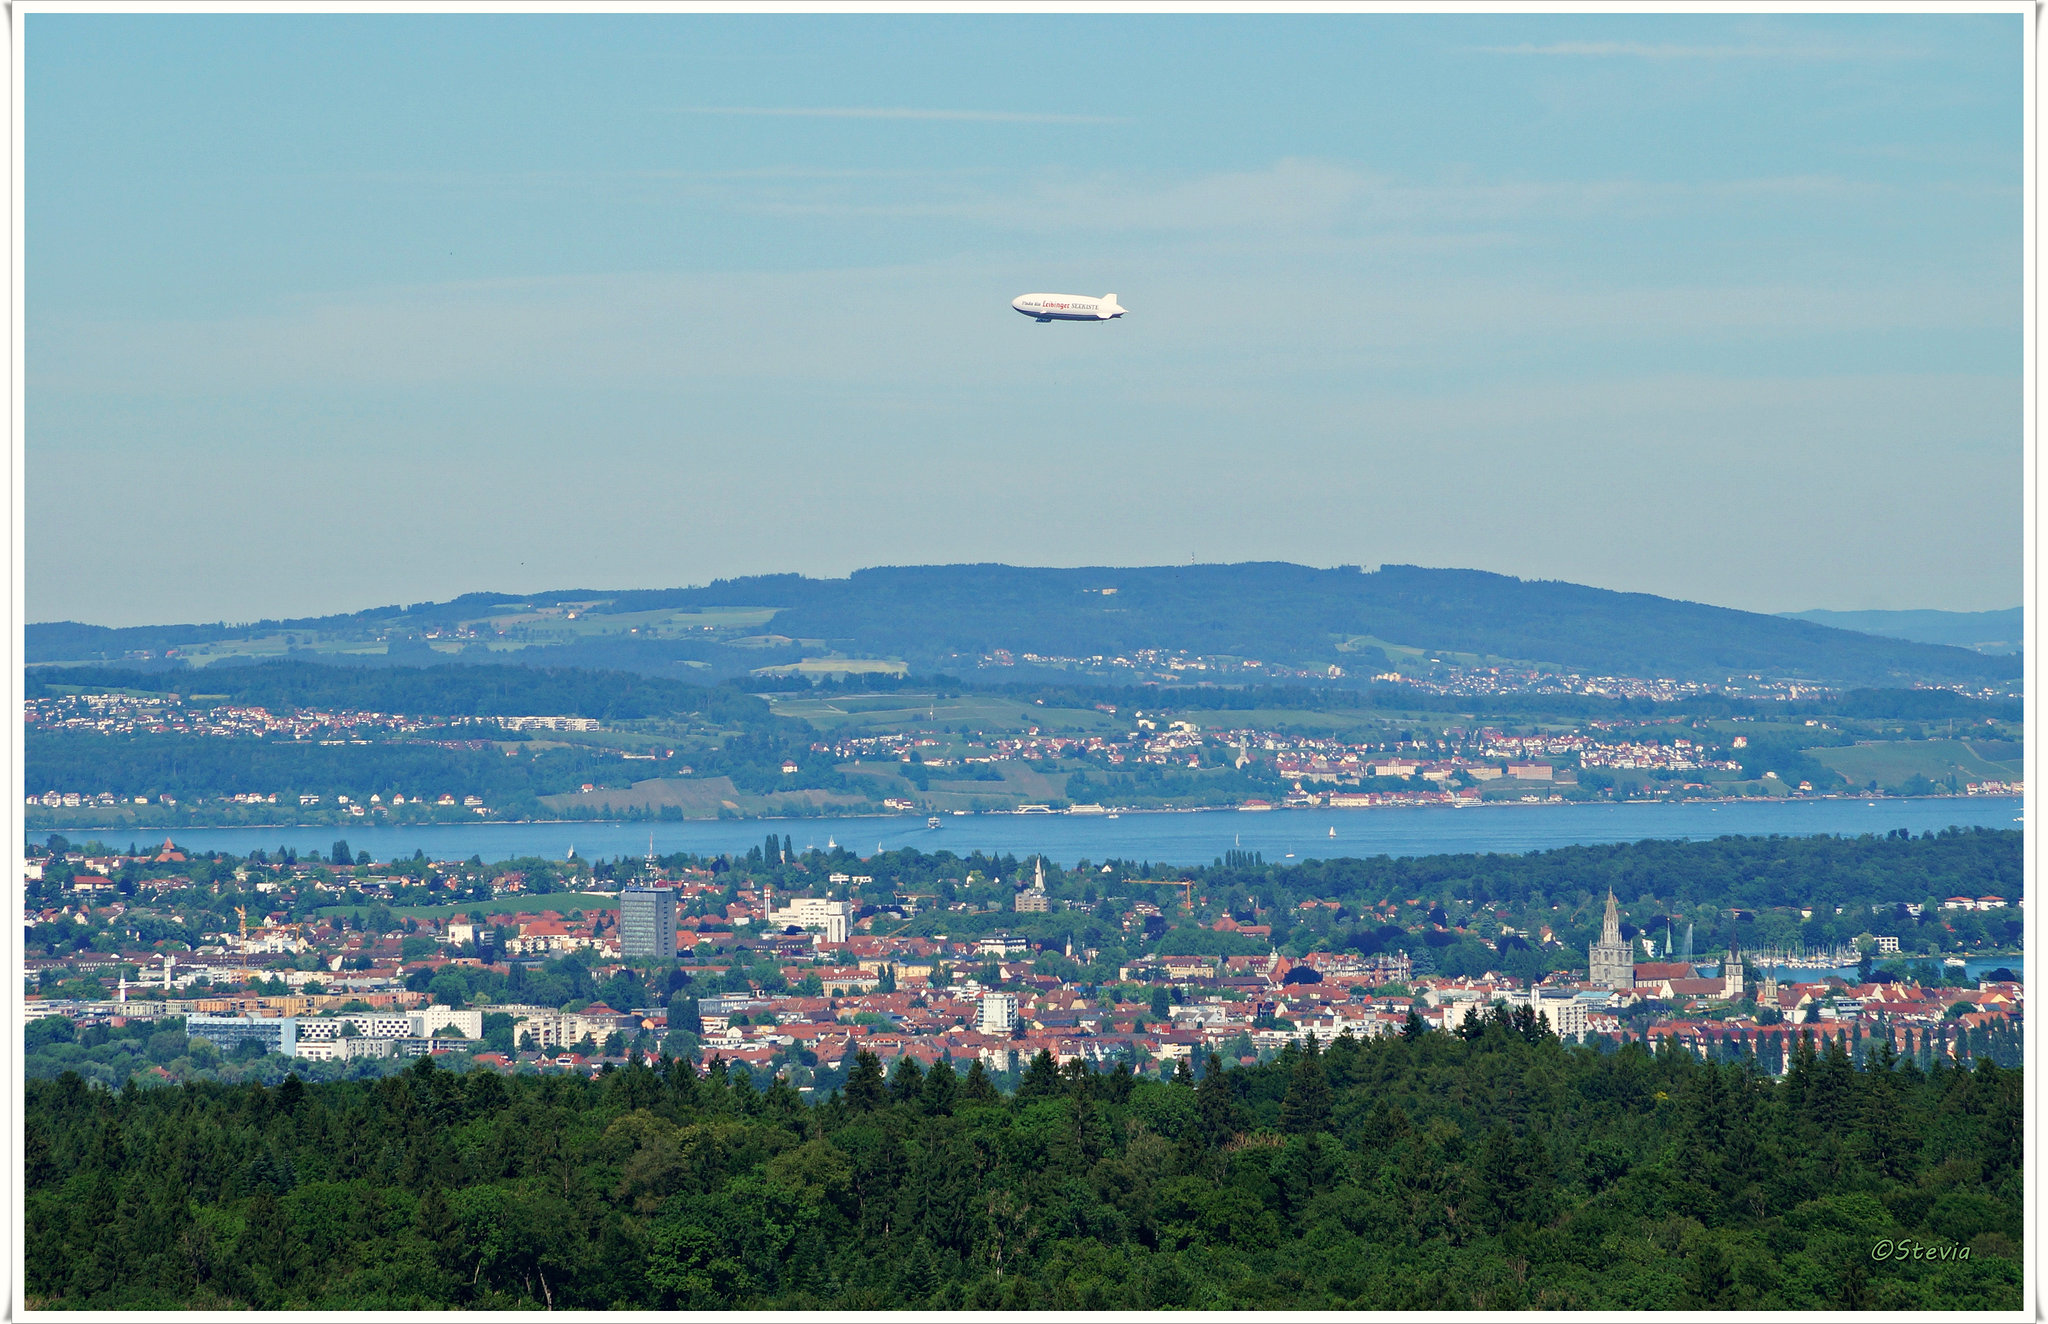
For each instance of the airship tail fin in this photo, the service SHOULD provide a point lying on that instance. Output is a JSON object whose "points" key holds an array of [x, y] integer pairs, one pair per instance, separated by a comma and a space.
{"points": [[1109, 298]]}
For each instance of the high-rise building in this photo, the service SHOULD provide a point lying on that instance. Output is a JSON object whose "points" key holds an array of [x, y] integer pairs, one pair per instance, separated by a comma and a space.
{"points": [[1612, 962], [647, 924], [998, 1013]]}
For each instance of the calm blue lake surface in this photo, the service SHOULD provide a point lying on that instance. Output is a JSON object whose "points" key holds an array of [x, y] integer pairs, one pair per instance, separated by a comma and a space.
{"points": [[1973, 968], [1169, 838]]}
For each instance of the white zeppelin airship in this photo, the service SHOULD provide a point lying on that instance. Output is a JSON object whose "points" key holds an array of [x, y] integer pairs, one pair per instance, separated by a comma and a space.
{"points": [[1067, 307]]}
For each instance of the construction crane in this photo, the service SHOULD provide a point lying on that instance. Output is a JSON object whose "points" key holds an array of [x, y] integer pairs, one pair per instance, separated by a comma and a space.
{"points": [[910, 919], [1187, 885], [242, 919]]}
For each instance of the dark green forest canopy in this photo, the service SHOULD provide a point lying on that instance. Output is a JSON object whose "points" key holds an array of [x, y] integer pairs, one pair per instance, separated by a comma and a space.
{"points": [[1747, 872], [1492, 1169]]}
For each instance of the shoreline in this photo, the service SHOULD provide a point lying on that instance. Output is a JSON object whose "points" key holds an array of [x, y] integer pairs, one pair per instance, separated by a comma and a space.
{"points": [[1711, 801]]}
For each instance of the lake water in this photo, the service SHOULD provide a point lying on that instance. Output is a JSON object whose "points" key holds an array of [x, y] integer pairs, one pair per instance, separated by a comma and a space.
{"points": [[1190, 838], [1973, 968]]}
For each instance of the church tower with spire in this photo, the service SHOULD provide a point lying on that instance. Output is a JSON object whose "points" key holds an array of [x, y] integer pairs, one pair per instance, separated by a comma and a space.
{"points": [[1612, 961]]}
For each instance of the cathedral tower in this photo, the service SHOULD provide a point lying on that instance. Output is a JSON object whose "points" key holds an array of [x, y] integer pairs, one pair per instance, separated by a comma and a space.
{"points": [[1612, 961]]}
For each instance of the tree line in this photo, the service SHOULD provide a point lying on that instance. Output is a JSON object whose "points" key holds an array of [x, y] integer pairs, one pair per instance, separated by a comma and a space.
{"points": [[1495, 1169], [475, 690]]}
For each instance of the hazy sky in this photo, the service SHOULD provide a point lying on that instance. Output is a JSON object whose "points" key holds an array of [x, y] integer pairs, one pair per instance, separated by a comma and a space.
{"points": [[327, 312]]}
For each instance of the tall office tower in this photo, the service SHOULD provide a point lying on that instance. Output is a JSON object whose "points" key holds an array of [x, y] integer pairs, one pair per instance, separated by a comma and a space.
{"points": [[647, 924]]}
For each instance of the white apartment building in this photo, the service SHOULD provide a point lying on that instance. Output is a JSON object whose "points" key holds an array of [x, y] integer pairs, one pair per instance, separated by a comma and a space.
{"points": [[426, 1020], [564, 1029], [1562, 1011], [998, 1013], [419, 1024], [548, 723], [829, 919], [327, 1050]]}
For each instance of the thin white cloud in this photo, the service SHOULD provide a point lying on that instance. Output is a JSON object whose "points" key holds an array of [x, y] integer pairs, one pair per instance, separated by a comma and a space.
{"points": [[904, 113], [1646, 50], [1293, 196]]}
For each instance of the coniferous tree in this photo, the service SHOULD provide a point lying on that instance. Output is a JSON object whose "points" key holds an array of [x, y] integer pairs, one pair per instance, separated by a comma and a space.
{"points": [[1890, 1143], [1214, 1104], [1307, 1108], [865, 1087], [978, 1089], [907, 1085], [1041, 1080], [438, 1227], [941, 1087]]}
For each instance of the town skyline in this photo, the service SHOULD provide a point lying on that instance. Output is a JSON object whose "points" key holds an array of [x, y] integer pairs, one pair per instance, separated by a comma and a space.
{"points": [[1242, 1034]]}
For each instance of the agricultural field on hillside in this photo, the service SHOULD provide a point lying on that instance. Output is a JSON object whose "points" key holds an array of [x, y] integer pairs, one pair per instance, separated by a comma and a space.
{"points": [[838, 714], [838, 666], [1891, 762], [697, 797]]}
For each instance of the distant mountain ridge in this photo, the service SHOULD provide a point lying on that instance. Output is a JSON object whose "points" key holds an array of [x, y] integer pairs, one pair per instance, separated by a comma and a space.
{"points": [[2002, 631], [935, 617]]}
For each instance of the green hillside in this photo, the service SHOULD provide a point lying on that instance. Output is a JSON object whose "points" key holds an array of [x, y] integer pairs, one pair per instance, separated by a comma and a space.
{"points": [[951, 617]]}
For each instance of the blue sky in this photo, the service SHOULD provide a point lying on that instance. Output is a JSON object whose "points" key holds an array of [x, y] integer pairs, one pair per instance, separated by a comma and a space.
{"points": [[326, 312]]}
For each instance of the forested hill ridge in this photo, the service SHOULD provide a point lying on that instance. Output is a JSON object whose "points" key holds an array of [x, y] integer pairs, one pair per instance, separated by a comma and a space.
{"points": [[960, 617], [1303, 614], [1490, 1169]]}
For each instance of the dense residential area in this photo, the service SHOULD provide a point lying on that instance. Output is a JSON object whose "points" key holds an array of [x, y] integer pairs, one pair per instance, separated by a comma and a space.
{"points": [[810, 1080], [790, 964]]}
